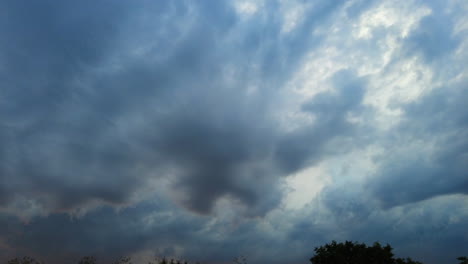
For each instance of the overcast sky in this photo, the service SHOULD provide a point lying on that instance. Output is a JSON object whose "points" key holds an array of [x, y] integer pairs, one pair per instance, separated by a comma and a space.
{"points": [[208, 130]]}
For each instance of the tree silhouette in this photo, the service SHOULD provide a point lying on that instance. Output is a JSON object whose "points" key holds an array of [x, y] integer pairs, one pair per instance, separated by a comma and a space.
{"points": [[463, 260], [165, 261], [124, 260], [24, 260], [87, 260], [355, 253]]}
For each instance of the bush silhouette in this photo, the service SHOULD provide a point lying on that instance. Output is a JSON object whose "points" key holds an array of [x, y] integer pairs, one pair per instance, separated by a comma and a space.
{"points": [[463, 260], [355, 253], [332, 253], [87, 260], [24, 260], [123, 260]]}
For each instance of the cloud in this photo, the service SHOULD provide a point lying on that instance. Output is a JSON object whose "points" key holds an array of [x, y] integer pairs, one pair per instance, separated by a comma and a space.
{"points": [[433, 38], [175, 128], [430, 158], [113, 101], [426, 152], [330, 110]]}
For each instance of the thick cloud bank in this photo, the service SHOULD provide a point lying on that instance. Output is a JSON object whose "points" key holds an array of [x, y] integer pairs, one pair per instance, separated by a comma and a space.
{"points": [[103, 99], [184, 128]]}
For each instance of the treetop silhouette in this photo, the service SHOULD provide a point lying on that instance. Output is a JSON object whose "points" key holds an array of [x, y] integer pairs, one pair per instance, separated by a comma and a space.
{"points": [[356, 253]]}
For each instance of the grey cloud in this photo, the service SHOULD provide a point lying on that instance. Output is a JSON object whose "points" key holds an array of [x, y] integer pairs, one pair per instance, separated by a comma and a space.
{"points": [[164, 230], [99, 99], [433, 38], [308, 144], [105, 233], [157, 227], [331, 106], [436, 122], [73, 134], [439, 120], [430, 231], [49, 46]]}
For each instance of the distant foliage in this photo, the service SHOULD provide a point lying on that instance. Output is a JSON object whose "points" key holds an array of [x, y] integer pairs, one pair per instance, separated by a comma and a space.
{"points": [[355, 253], [240, 260], [333, 253], [406, 261], [87, 260], [463, 260], [24, 260], [123, 260], [165, 261]]}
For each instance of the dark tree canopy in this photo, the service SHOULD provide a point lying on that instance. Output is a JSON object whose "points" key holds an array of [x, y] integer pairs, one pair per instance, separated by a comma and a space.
{"points": [[463, 260], [87, 260], [24, 260], [333, 253], [355, 253]]}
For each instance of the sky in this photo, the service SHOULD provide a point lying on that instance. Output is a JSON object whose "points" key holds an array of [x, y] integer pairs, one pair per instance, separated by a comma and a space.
{"points": [[207, 130]]}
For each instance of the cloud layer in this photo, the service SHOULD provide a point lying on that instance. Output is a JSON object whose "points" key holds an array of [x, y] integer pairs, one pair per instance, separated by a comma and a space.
{"points": [[176, 128]]}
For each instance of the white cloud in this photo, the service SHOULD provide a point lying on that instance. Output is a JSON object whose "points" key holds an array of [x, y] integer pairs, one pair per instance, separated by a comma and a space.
{"points": [[247, 8], [397, 16], [303, 186], [293, 13]]}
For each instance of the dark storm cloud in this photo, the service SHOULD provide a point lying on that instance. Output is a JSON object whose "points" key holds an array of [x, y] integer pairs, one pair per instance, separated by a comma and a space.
{"points": [[439, 120], [48, 46], [154, 226], [220, 165], [104, 233], [108, 103], [60, 144], [81, 77]]}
